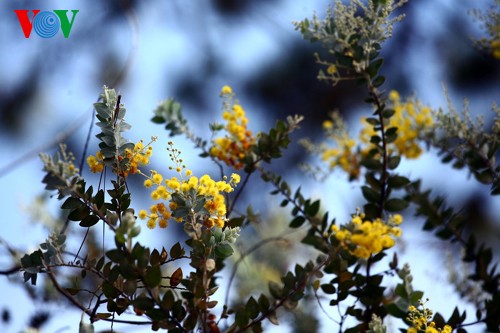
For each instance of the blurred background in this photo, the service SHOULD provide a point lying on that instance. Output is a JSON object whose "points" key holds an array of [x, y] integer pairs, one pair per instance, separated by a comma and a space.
{"points": [[151, 50]]}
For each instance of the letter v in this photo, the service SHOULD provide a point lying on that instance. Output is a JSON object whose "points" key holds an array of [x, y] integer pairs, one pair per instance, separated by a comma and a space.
{"points": [[65, 24], [24, 21]]}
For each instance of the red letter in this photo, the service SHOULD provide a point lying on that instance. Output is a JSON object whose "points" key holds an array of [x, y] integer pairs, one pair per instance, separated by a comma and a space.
{"points": [[24, 21]]}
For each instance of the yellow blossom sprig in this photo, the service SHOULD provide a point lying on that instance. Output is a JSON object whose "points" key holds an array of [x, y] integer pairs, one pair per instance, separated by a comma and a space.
{"points": [[187, 198], [490, 21], [414, 122], [129, 161], [363, 238], [420, 320], [236, 144]]}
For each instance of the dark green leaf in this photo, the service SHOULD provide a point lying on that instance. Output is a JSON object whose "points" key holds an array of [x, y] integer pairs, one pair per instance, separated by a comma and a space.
{"points": [[72, 203], [252, 308], [395, 205], [143, 303], [297, 222], [152, 278], [328, 288], [398, 181], [242, 318], [264, 303], [370, 194], [176, 251], [378, 81], [223, 250], [313, 208], [89, 221], [393, 162], [79, 213]]}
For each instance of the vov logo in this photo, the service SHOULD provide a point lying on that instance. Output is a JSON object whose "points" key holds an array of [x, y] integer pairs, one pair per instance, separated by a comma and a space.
{"points": [[46, 24]]}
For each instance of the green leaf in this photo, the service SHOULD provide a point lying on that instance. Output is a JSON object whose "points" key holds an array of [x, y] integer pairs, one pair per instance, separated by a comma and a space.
{"points": [[328, 288], [373, 121], [72, 203], [396, 205], [152, 278], [223, 250], [116, 255], [155, 258], [388, 113], [378, 81], [275, 289], [252, 308], [313, 209], [393, 162], [398, 181], [264, 303], [370, 194], [176, 251], [375, 67], [143, 303], [242, 318], [89, 221], [297, 222], [79, 213]]}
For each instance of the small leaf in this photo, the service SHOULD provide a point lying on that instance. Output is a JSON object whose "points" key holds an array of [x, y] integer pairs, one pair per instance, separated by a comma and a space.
{"points": [[264, 303], [328, 288], [370, 194], [398, 181], [176, 277], [393, 162], [176, 251], [79, 213], [297, 222], [396, 205], [143, 303], [223, 250], [252, 308], [242, 318], [152, 277], [72, 203], [89, 221], [313, 209], [388, 113]]}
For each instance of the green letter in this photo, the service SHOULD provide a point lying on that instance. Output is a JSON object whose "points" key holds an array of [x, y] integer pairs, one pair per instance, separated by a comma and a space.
{"points": [[65, 24]]}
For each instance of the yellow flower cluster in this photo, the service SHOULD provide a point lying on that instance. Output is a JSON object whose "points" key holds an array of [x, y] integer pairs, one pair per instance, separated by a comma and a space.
{"points": [[343, 155], [138, 156], [411, 118], [187, 188], [495, 48], [364, 237], [420, 320], [237, 143]]}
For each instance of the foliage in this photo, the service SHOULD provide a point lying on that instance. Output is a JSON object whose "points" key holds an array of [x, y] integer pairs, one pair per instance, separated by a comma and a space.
{"points": [[177, 287]]}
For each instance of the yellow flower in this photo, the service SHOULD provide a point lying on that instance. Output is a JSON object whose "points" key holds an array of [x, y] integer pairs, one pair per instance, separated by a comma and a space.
{"points": [[447, 329], [332, 69], [148, 183], [226, 90], [157, 178], [143, 214], [235, 178]]}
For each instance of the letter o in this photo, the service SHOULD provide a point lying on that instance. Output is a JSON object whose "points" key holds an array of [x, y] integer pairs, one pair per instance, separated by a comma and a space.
{"points": [[46, 24]]}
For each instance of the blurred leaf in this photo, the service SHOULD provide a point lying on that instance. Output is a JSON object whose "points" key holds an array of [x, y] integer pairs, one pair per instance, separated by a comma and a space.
{"points": [[176, 277], [152, 278]]}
